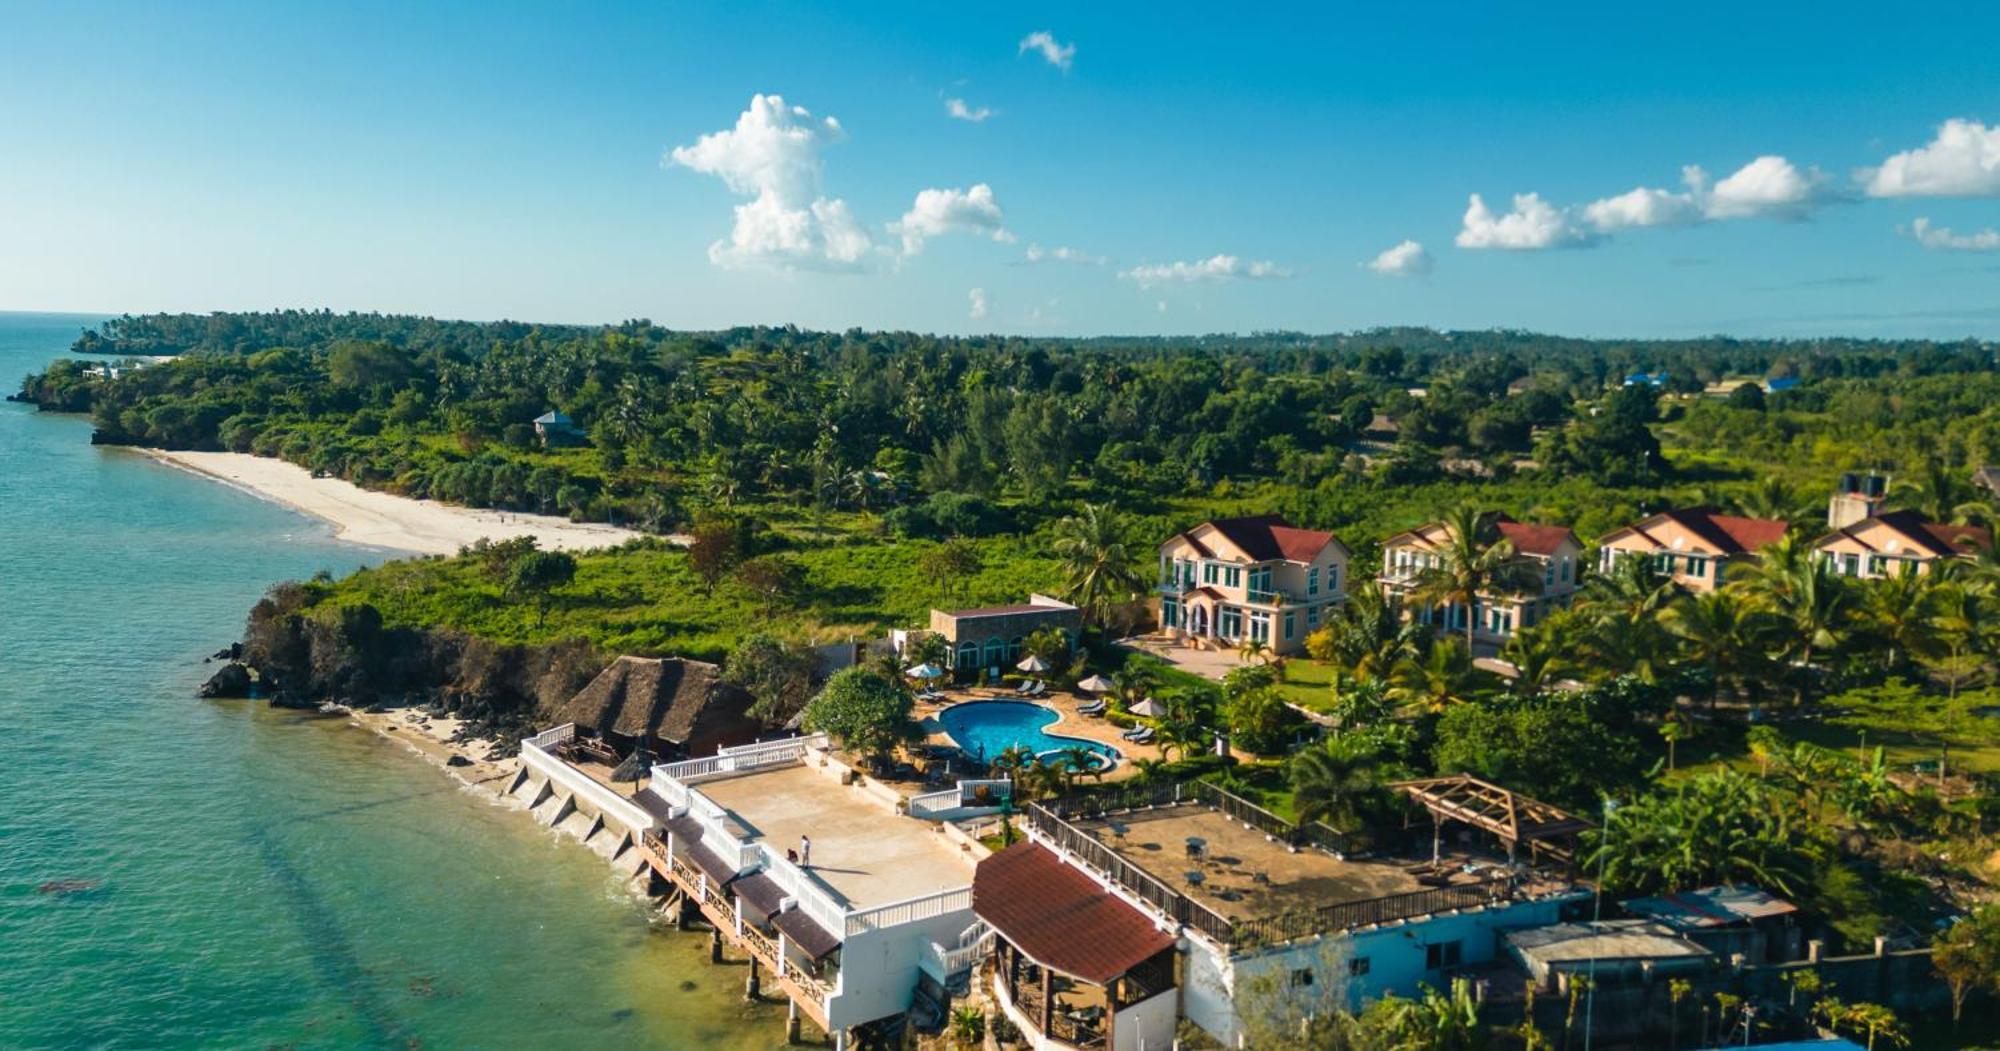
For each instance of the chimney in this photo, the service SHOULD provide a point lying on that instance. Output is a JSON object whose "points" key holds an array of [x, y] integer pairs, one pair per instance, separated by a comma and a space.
{"points": [[1859, 496]]}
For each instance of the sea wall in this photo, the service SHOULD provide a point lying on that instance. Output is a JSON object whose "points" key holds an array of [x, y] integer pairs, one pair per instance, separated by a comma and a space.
{"points": [[560, 797]]}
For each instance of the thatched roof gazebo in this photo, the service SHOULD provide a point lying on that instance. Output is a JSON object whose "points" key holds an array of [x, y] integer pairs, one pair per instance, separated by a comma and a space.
{"points": [[669, 705]]}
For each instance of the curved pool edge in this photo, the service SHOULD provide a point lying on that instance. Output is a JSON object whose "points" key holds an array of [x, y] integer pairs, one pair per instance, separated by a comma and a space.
{"points": [[1111, 752]]}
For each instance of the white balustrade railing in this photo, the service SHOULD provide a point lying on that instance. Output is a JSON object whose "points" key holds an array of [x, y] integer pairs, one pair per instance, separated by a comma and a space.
{"points": [[550, 739], [897, 913], [812, 899], [934, 802], [743, 757]]}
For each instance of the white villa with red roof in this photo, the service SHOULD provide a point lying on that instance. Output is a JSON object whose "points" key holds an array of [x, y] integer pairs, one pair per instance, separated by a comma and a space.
{"points": [[1258, 577], [1554, 550], [1898, 542], [1694, 545]]}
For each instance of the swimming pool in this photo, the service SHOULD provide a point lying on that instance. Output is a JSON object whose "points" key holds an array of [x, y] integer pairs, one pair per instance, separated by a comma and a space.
{"points": [[987, 728]]}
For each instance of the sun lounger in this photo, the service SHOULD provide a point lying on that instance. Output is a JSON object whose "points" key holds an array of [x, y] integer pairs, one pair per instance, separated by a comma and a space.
{"points": [[1037, 689], [1093, 708], [1144, 736], [1027, 689]]}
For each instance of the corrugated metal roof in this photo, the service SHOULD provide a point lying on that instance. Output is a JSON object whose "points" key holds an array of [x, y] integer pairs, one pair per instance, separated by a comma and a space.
{"points": [[1722, 906]]}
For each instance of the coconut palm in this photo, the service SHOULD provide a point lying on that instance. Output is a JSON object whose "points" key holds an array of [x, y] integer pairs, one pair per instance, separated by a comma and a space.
{"points": [[1099, 566], [1623, 610], [1962, 620], [1942, 495], [1014, 763], [1328, 780], [1251, 650], [1725, 633], [1444, 677], [1899, 613], [1813, 603], [1771, 497], [1539, 653], [1078, 761], [1475, 560], [1369, 636]]}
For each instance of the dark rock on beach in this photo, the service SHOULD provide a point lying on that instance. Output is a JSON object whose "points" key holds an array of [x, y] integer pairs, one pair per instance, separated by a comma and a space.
{"points": [[233, 680]]}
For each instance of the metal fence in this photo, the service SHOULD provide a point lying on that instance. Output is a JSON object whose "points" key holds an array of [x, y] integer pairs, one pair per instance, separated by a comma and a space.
{"points": [[1050, 822]]}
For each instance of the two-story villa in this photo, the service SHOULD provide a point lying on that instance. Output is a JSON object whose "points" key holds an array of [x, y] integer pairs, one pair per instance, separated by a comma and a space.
{"points": [[1897, 542], [1554, 550], [1694, 545], [1250, 578]]}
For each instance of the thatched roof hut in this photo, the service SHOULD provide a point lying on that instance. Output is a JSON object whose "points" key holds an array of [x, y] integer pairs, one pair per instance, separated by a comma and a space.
{"points": [[671, 705]]}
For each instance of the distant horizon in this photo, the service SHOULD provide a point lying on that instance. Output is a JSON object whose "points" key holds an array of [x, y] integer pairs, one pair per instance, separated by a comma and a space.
{"points": [[1250, 334]]}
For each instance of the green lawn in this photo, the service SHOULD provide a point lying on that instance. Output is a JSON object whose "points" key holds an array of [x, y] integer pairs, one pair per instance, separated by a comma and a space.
{"points": [[1308, 684]]}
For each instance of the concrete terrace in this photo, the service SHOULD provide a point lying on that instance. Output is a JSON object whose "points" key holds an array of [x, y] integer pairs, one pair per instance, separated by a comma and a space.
{"points": [[1068, 724], [1156, 841], [861, 849]]}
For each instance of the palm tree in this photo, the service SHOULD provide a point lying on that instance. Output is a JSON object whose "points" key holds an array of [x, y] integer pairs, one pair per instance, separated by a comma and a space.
{"points": [[1539, 653], [1078, 761], [1900, 614], [1250, 650], [1327, 780], [1724, 633], [1369, 636], [1014, 762], [1942, 495], [1443, 678], [1147, 771], [1771, 497], [1098, 563], [1623, 608], [1475, 560], [1812, 602], [1963, 624]]}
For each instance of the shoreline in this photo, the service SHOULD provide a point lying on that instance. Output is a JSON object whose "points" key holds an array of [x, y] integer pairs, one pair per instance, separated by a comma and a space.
{"points": [[384, 520]]}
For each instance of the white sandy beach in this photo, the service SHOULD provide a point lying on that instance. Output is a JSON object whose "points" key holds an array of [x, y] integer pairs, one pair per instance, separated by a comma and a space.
{"points": [[383, 520]]}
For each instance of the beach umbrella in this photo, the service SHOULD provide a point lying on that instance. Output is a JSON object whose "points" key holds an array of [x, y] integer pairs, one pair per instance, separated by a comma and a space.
{"points": [[924, 671], [1149, 708], [635, 767], [1033, 665], [1096, 684]]}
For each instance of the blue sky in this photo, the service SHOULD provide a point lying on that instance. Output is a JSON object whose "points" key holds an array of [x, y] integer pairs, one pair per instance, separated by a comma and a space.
{"points": [[1206, 172]]}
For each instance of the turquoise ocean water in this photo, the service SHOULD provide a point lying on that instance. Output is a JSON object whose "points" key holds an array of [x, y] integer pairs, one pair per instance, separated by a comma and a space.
{"points": [[261, 878]]}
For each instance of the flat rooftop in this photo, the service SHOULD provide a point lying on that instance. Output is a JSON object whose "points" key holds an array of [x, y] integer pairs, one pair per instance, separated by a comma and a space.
{"points": [[1156, 841], [861, 850]]}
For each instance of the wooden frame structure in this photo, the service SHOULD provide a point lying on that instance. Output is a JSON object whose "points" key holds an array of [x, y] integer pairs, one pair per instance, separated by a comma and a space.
{"points": [[1513, 817]]}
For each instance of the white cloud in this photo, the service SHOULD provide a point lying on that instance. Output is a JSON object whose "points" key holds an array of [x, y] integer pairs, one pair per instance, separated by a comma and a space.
{"points": [[772, 156], [1214, 268], [1768, 186], [1534, 223], [1043, 41], [1644, 206], [1063, 254], [1407, 259], [935, 212], [1943, 238], [978, 298], [1962, 161], [959, 110]]}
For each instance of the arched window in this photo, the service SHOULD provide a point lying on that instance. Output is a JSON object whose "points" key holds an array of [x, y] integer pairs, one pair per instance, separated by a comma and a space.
{"points": [[1014, 648], [996, 652], [968, 656]]}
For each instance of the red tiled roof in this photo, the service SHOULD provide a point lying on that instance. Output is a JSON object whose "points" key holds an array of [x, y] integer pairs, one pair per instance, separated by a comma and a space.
{"points": [[1940, 539], [1728, 534], [1060, 917], [1266, 538], [1531, 539], [1208, 592]]}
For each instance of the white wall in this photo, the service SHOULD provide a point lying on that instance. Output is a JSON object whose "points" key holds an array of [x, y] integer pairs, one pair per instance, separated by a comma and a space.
{"points": [[1147, 1025], [587, 794], [878, 969]]}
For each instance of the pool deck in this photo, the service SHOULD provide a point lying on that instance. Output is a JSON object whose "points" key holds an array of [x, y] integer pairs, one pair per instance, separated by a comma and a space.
{"points": [[1069, 724]]}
